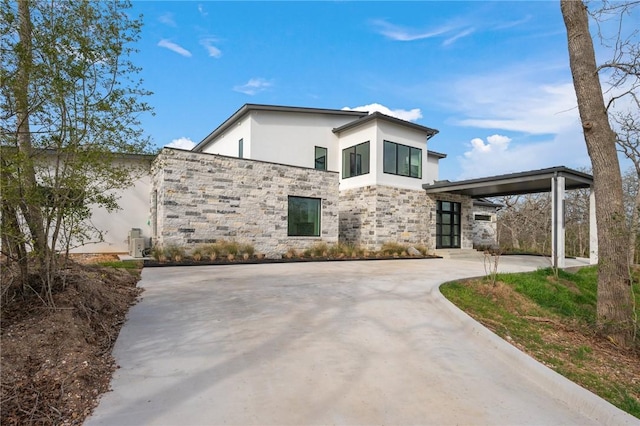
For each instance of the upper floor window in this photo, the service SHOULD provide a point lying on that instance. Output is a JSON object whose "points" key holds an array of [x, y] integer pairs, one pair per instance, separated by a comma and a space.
{"points": [[355, 160], [402, 160], [241, 148], [321, 158]]}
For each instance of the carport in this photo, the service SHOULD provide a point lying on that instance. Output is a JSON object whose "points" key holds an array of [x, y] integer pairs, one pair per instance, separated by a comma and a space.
{"points": [[556, 180]]}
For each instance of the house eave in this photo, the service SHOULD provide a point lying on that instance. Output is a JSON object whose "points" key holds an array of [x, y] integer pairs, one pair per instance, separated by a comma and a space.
{"points": [[379, 116], [247, 108], [529, 182]]}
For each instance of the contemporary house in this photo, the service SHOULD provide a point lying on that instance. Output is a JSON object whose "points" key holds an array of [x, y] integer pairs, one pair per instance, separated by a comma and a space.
{"points": [[285, 178]]}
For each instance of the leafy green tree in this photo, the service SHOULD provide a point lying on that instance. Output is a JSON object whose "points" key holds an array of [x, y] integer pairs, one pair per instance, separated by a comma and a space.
{"points": [[71, 103]]}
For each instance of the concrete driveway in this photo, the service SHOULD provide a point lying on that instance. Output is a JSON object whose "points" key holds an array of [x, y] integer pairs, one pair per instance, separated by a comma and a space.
{"points": [[349, 343]]}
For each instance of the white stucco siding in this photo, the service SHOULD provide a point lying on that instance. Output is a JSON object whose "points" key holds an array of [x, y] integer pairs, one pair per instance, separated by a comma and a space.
{"points": [[365, 133], [403, 136], [290, 138], [227, 143], [134, 212], [431, 174]]}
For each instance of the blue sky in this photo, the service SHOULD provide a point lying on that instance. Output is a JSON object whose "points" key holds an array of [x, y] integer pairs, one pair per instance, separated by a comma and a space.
{"points": [[492, 77]]}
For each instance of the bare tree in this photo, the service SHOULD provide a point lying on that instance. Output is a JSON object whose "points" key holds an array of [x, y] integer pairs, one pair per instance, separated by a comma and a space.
{"points": [[615, 314], [628, 138]]}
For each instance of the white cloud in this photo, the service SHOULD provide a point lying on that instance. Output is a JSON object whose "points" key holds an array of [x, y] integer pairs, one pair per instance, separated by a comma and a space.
{"points": [[403, 114], [213, 51], [458, 36], [181, 143], [499, 154], [398, 33], [201, 9], [511, 24], [253, 86], [167, 19], [174, 47], [495, 143], [514, 101]]}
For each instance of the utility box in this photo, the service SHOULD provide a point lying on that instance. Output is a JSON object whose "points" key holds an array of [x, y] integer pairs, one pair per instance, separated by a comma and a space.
{"points": [[135, 234], [137, 247]]}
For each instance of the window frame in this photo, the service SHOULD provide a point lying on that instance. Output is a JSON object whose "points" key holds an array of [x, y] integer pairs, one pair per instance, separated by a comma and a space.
{"points": [[448, 216], [291, 227], [396, 170], [350, 161], [326, 157]]}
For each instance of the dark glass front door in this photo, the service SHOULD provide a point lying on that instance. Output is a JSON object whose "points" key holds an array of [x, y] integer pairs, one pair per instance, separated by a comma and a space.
{"points": [[447, 225]]}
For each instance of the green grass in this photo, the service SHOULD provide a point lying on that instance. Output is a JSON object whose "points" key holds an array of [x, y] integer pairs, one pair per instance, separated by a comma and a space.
{"points": [[529, 308], [569, 296], [123, 264], [133, 267]]}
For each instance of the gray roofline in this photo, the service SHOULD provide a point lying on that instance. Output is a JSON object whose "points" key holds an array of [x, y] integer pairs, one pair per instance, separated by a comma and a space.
{"points": [[486, 203], [577, 180], [52, 151], [378, 115], [249, 160], [436, 154], [246, 108]]}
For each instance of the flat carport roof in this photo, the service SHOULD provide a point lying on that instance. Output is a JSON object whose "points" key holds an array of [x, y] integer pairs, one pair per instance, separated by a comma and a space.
{"points": [[513, 184]]}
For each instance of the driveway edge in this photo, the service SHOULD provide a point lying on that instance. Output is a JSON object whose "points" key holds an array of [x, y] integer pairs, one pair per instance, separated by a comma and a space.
{"points": [[575, 396]]}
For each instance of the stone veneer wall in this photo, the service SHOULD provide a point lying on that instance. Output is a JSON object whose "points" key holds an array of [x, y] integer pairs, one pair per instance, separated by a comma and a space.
{"points": [[466, 217], [485, 232], [200, 198], [373, 215]]}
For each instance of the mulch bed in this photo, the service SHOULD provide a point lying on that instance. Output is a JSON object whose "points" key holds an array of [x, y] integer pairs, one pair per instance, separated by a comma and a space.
{"points": [[56, 361]]}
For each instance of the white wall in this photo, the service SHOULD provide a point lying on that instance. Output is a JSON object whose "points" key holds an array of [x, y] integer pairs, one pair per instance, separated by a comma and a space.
{"points": [[134, 213], [227, 143], [355, 136], [291, 137], [405, 136], [431, 174]]}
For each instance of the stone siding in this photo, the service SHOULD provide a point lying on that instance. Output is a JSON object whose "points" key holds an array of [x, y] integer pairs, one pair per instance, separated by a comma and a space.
{"points": [[373, 215], [466, 217], [485, 232], [201, 198]]}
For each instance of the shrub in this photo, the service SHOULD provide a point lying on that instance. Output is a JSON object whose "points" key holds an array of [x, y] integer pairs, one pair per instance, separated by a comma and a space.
{"points": [[392, 248], [198, 253], [158, 254], [174, 252], [246, 249], [320, 249]]}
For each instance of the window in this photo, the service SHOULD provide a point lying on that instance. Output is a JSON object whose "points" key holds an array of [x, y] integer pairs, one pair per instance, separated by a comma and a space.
{"points": [[304, 217], [447, 224], [241, 148], [321, 158], [355, 160], [402, 160], [482, 217]]}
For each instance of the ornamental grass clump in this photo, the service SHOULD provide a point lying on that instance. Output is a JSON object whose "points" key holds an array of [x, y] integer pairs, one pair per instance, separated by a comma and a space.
{"points": [[392, 248]]}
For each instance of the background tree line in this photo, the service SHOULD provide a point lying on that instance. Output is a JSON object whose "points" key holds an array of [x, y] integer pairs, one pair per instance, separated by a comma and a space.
{"points": [[524, 223]]}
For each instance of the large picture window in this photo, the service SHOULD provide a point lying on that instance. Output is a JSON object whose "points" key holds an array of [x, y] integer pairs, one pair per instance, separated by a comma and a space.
{"points": [[304, 217], [321, 158], [355, 160], [402, 160]]}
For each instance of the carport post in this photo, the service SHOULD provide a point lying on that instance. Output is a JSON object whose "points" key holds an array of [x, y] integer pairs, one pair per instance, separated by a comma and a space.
{"points": [[557, 220], [593, 229]]}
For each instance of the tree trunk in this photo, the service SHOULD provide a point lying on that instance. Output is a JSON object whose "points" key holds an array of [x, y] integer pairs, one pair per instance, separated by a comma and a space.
{"points": [[615, 309]]}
